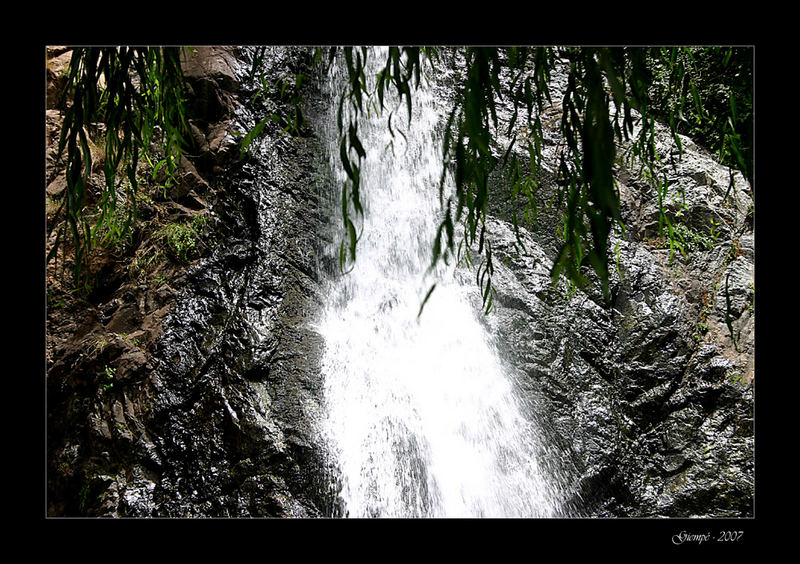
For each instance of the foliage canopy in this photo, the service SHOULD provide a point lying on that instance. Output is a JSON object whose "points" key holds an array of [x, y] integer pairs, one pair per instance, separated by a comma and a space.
{"points": [[612, 94], [137, 94]]}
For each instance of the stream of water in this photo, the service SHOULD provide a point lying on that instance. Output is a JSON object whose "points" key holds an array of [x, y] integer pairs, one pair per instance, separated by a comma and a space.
{"points": [[421, 419]]}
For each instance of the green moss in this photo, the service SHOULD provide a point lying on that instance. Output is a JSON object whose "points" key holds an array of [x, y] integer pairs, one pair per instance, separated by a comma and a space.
{"points": [[183, 239], [692, 240]]}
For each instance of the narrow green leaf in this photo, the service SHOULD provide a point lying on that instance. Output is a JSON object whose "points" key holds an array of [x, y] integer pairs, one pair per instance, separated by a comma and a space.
{"points": [[425, 300], [696, 97], [380, 82], [355, 143], [339, 113], [345, 158], [252, 135], [351, 229], [490, 302]]}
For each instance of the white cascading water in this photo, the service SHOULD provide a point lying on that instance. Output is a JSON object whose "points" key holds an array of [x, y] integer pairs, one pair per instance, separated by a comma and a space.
{"points": [[421, 420]]}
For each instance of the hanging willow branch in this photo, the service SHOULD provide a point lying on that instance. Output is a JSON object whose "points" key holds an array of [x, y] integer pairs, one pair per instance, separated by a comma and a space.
{"points": [[401, 71], [138, 95], [609, 90]]}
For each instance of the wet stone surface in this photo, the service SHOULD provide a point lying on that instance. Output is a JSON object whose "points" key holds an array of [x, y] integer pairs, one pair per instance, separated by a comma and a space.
{"points": [[648, 398], [211, 415], [238, 362]]}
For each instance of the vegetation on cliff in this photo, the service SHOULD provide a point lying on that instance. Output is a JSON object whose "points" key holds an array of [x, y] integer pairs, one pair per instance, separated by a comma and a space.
{"points": [[121, 107], [612, 94], [136, 96]]}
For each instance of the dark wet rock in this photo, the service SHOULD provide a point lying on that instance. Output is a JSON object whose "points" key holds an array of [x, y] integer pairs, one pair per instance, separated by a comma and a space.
{"points": [[237, 365], [213, 79], [648, 399], [213, 414]]}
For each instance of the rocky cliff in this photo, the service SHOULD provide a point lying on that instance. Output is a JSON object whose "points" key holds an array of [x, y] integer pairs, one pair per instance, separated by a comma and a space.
{"points": [[184, 391], [649, 398], [190, 387]]}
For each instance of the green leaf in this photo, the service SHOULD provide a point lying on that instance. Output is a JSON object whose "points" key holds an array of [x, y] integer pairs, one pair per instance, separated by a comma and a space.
{"points": [[391, 131], [617, 86], [344, 204], [339, 113], [345, 158], [728, 54], [490, 302], [351, 230], [355, 143], [425, 300], [696, 97], [252, 135]]}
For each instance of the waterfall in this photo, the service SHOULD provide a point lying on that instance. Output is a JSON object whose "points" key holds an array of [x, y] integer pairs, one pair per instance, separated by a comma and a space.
{"points": [[420, 418]]}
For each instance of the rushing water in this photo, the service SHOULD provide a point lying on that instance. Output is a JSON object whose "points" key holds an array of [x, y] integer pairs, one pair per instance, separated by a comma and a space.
{"points": [[420, 418]]}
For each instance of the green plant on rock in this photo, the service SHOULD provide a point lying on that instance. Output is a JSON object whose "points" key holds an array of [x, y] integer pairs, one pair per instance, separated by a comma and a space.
{"points": [[114, 233], [708, 307], [198, 223], [145, 261], [736, 376], [180, 240], [183, 239], [137, 95], [707, 93], [691, 239], [714, 229], [108, 374], [735, 251]]}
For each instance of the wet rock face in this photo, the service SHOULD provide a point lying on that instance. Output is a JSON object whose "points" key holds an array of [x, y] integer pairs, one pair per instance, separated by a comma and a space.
{"points": [[212, 413], [237, 381], [649, 398]]}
